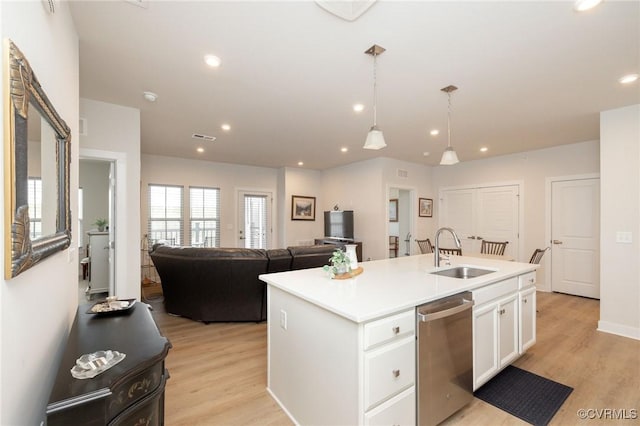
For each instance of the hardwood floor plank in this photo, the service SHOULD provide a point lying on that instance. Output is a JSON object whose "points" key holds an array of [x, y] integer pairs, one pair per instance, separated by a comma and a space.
{"points": [[219, 371]]}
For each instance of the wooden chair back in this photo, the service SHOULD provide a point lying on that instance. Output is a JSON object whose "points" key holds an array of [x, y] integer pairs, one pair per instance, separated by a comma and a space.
{"points": [[451, 251], [393, 245], [493, 247], [537, 255], [425, 246]]}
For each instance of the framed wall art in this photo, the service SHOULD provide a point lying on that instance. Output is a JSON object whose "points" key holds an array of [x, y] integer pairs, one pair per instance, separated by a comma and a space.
{"points": [[303, 208], [393, 210], [425, 207]]}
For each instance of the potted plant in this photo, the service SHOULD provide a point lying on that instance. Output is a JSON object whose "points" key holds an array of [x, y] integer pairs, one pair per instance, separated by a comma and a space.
{"points": [[101, 223], [340, 263]]}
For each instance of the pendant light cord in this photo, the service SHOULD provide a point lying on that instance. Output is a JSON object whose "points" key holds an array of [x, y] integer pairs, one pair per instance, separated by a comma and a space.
{"points": [[449, 122], [375, 91]]}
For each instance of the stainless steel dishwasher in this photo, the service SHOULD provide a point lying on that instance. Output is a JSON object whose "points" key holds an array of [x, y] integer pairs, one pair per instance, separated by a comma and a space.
{"points": [[444, 357]]}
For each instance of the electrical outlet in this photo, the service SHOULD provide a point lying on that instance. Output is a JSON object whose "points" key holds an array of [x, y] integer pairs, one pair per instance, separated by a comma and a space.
{"points": [[624, 237], [283, 319]]}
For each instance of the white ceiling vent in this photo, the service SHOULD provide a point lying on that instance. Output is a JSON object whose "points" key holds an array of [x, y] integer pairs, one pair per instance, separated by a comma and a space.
{"points": [[402, 173], [203, 137], [83, 127]]}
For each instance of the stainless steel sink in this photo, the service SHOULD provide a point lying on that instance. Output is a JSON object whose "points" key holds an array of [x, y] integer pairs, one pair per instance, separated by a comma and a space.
{"points": [[463, 272]]}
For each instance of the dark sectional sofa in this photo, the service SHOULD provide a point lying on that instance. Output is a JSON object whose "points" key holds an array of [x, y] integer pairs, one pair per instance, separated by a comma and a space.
{"points": [[221, 284]]}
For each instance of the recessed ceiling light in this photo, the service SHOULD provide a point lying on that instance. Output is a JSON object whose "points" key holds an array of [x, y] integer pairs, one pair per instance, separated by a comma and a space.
{"points": [[300, 163], [426, 153], [629, 78], [582, 5], [434, 132], [344, 149], [150, 96], [484, 149], [212, 60], [358, 107], [200, 150], [225, 127]]}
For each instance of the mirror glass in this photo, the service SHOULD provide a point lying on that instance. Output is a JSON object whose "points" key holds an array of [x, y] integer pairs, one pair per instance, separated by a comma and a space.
{"points": [[36, 164]]}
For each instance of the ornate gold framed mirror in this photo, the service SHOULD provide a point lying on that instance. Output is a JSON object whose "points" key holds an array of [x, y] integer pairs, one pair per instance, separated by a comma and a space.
{"points": [[37, 153]]}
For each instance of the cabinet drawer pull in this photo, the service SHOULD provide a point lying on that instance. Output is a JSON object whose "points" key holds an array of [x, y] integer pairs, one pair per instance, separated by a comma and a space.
{"points": [[532, 280], [396, 373], [524, 300], [396, 330]]}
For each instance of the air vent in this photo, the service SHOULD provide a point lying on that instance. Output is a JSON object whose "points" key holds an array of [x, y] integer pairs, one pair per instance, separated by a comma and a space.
{"points": [[402, 173], [203, 137], [83, 127]]}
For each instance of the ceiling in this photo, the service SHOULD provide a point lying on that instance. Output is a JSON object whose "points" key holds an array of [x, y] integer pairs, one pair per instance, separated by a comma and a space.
{"points": [[530, 75]]}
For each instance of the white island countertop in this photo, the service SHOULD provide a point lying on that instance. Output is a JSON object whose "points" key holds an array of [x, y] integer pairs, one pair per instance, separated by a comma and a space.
{"points": [[389, 286]]}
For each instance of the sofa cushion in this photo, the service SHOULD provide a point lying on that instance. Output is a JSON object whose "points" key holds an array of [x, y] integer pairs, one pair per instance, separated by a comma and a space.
{"points": [[311, 256], [279, 260]]}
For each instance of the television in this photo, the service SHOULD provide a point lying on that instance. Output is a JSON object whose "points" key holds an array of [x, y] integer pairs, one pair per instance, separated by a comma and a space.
{"points": [[338, 224]]}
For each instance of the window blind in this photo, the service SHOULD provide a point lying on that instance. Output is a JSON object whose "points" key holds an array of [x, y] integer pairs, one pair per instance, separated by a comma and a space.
{"points": [[255, 214], [204, 220], [165, 214]]}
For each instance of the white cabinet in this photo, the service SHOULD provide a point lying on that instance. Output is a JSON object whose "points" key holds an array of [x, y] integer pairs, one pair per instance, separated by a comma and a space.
{"points": [[495, 337], [389, 361], [527, 308], [504, 324], [399, 410], [497, 328], [99, 263]]}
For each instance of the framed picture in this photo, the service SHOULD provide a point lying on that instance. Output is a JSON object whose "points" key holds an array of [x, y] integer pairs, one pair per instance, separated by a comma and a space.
{"points": [[303, 208], [393, 210], [425, 207]]}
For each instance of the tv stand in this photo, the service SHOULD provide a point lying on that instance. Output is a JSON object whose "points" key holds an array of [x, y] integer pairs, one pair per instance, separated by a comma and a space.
{"points": [[341, 242]]}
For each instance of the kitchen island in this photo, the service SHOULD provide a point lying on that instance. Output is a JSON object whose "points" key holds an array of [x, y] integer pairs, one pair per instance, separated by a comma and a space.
{"points": [[343, 351]]}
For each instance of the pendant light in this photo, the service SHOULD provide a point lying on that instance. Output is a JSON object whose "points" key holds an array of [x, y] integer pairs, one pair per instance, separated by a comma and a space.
{"points": [[375, 138], [449, 156]]}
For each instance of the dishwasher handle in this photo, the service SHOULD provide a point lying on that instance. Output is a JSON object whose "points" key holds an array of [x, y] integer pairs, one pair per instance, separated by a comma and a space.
{"points": [[466, 304]]}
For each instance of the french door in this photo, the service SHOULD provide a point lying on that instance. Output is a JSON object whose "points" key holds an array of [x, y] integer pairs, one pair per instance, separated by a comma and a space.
{"points": [[476, 214], [254, 219]]}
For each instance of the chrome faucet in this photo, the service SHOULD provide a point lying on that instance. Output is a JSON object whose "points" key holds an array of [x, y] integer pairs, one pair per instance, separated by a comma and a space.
{"points": [[436, 251]]}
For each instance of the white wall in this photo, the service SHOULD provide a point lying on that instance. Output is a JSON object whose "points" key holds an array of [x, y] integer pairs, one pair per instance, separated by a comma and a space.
{"points": [[364, 188], [94, 181], [38, 306], [532, 167], [228, 177], [620, 211], [113, 133], [307, 183]]}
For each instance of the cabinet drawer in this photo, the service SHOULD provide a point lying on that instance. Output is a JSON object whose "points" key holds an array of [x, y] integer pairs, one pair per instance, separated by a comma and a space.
{"points": [[495, 290], [389, 370], [149, 411], [527, 280], [389, 329], [400, 410], [135, 389]]}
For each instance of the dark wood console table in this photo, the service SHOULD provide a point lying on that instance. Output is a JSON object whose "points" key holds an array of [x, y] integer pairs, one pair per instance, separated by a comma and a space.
{"points": [[342, 243], [129, 393]]}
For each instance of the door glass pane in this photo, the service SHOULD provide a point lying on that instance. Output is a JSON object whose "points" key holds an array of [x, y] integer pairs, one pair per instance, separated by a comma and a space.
{"points": [[255, 221]]}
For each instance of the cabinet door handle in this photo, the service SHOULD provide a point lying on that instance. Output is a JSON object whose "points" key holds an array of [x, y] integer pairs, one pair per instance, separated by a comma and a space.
{"points": [[396, 330], [524, 300], [557, 242], [396, 373], [532, 280]]}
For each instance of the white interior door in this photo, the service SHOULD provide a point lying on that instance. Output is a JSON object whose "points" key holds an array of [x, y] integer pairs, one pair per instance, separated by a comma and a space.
{"points": [[489, 213], [458, 211], [112, 228], [254, 219], [497, 218], [575, 237]]}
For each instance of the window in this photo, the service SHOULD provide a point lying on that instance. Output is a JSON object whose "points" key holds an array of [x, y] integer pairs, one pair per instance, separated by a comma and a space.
{"points": [[165, 214], [35, 207], [204, 220]]}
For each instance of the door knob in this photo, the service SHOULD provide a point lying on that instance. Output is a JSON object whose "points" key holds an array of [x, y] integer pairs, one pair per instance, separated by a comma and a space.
{"points": [[557, 242]]}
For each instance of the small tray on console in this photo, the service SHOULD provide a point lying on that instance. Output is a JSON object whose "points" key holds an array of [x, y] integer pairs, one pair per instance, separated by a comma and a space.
{"points": [[112, 307]]}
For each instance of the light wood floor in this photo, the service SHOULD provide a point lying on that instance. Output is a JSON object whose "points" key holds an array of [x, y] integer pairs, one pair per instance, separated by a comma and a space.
{"points": [[219, 371]]}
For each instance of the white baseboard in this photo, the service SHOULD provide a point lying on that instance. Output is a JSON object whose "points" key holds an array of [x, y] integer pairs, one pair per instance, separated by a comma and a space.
{"points": [[620, 330]]}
